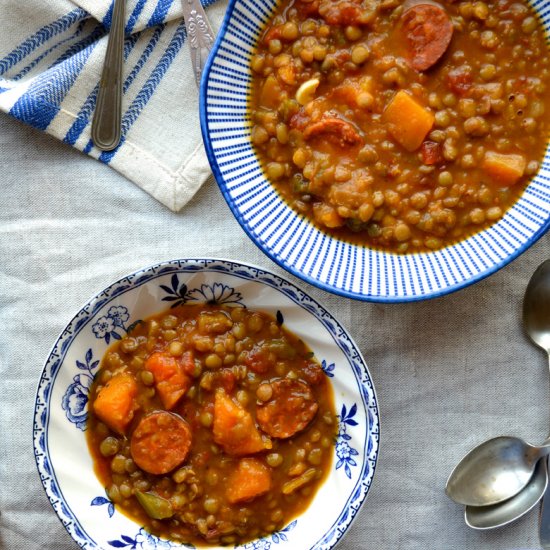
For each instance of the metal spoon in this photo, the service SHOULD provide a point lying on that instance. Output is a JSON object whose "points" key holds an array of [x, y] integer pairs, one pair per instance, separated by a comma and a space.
{"points": [[536, 308], [498, 515], [106, 125], [199, 35], [501, 467], [536, 319], [494, 471]]}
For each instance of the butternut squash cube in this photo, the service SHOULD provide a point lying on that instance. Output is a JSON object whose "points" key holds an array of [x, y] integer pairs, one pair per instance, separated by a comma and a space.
{"points": [[505, 169], [251, 479], [407, 120], [115, 403]]}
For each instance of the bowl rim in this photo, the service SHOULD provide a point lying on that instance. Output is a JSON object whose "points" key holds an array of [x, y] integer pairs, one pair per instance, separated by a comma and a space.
{"points": [[427, 295], [94, 304]]}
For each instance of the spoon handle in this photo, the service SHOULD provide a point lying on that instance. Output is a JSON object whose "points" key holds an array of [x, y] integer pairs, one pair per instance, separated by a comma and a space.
{"points": [[199, 35], [544, 519], [106, 125]]}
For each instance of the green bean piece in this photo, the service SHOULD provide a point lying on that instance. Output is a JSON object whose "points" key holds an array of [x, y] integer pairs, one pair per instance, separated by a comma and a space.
{"points": [[282, 349], [156, 507], [355, 225], [300, 185], [290, 486]]}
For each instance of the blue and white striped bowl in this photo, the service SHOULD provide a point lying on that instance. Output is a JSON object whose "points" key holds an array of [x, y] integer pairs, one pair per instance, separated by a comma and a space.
{"points": [[295, 243]]}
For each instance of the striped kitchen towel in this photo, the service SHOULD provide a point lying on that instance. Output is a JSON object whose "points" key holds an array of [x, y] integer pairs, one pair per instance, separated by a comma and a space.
{"points": [[51, 57]]}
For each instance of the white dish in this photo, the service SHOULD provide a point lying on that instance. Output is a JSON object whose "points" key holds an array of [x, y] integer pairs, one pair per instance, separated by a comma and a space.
{"points": [[293, 241], [64, 462]]}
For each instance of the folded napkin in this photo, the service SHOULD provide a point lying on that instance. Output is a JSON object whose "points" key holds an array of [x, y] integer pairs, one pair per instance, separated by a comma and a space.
{"points": [[51, 57]]}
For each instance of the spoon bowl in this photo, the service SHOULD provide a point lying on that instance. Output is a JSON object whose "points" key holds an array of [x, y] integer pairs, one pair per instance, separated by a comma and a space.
{"points": [[536, 320], [503, 513], [536, 307], [494, 471]]}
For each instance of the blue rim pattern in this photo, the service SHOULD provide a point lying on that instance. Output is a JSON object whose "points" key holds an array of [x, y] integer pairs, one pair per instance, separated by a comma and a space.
{"points": [[248, 272], [296, 244]]}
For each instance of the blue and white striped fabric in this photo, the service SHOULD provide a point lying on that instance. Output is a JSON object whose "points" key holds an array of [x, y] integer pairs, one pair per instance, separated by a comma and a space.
{"points": [[51, 56]]}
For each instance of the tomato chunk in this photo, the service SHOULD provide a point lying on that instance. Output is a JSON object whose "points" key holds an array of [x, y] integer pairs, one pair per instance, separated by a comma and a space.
{"points": [[460, 80], [274, 33], [259, 360], [431, 152], [348, 12]]}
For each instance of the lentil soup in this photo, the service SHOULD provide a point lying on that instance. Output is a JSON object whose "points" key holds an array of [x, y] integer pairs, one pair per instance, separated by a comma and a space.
{"points": [[211, 425], [403, 126]]}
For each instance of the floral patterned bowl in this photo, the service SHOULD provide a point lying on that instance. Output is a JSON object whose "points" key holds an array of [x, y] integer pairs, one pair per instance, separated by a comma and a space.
{"points": [[61, 452]]}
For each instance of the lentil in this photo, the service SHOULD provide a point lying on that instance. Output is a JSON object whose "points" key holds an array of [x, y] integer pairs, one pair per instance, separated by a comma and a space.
{"points": [[109, 446], [184, 388], [351, 153]]}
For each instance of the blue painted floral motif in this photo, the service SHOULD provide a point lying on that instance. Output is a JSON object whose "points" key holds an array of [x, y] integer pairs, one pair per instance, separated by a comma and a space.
{"points": [[119, 315], [261, 544], [215, 294], [211, 294], [76, 397], [277, 537], [327, 369], [145, 541], [100, 501], [176, 292], [106, 326], [344, 451], [280, 535]]}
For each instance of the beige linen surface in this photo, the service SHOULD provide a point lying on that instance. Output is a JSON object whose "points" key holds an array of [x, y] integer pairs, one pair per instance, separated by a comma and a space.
{"points": [[449, 372]]}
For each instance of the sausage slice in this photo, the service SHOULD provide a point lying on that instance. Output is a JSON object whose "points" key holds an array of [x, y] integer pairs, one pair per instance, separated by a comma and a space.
{"points": [[334, 129], [160, 442], [427, 30], [290, 409]]}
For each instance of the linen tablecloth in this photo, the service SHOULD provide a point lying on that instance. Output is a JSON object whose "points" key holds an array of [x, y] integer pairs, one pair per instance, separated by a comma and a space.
{"points": [[449, 372], [51, 57]]}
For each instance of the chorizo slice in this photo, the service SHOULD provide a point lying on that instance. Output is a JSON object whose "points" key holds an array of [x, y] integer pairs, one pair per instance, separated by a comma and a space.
{"points": [[427, 30], [290, 409], [308, 8], [160, 442], [336, 129]]}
